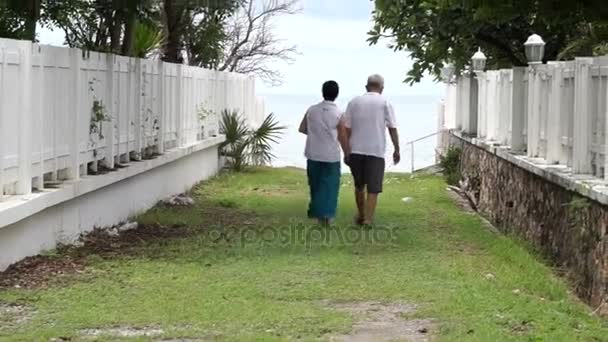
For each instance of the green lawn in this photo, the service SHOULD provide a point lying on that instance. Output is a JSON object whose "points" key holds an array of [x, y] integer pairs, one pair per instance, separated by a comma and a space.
{"points": [[245, 264]]}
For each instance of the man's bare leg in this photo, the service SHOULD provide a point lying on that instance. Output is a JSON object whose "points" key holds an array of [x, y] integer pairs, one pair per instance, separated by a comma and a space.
{"points": [[360, 199], [370, 208]]}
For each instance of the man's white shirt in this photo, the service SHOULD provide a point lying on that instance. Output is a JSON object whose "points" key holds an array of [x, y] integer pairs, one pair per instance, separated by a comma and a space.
{"points": [[322, 137], [368, 116]]}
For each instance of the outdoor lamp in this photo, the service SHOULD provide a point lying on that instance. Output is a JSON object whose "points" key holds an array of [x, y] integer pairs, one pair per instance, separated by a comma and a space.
{"points": [[479, 61], [447, 72], [448, 69], [535, 49]]}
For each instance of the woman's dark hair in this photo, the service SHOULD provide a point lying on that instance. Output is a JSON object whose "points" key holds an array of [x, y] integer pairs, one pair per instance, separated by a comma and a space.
{"points": [[330, 90]]}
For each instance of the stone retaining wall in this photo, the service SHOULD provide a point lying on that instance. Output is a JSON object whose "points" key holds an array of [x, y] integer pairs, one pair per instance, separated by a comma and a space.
{"points": [[567, 228]]}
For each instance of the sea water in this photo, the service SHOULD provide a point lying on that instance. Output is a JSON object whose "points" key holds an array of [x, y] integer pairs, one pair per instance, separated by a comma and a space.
{"points": [[416, 117]]}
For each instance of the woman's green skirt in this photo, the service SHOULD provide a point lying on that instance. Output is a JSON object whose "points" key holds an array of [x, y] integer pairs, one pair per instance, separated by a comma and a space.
{"points": [[324, 183]]}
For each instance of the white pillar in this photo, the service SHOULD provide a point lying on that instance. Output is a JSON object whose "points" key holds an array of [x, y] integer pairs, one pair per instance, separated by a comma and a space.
{"points": [[582, 117], [554, 115], [179, 98], [481, 104], [138, 97], [466, 109], [518, 110], [3, 85], [24, 184], [533, 111], [111, 111], [160, 148], [76, 60], [42, 109]]}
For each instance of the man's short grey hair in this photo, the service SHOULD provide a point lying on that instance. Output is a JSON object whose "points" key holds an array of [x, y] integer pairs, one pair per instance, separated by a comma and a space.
{"points": [[376, 80]]}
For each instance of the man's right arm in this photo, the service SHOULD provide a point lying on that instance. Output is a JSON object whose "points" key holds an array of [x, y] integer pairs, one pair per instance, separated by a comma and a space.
{"points": [[344, 137], [344, 132]]}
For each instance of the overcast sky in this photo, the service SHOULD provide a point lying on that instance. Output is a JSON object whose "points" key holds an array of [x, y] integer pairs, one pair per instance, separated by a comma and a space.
{"points": [[331, 37]]}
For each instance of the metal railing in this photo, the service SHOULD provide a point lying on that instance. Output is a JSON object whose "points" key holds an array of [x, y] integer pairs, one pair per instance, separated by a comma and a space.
{"points": [[412, 150]]}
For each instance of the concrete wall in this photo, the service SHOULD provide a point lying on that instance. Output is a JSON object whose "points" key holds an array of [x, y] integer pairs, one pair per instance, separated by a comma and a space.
{"points": [[544, 208], [131, 192]]}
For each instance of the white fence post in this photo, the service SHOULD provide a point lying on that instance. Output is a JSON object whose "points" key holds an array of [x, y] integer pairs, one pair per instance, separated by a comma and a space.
{"points": [[582, 122], [138, 98], [458, 123], [466, 108], [180, 107], [482, 85], [3, 85], [41, 110], [605, 114], [111, 111], [160, 147], [24, 185], [518, 111], [76, 59], [533, 111], [554, 114], [492, 105]]}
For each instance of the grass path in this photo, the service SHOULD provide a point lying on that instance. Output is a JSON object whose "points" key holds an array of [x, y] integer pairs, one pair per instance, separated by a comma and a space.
{"points": [[248, 266]]}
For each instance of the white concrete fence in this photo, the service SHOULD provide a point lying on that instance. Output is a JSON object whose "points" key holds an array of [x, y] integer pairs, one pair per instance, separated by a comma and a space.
{"points": [[554, 113], [91, 140], [66, 112]]}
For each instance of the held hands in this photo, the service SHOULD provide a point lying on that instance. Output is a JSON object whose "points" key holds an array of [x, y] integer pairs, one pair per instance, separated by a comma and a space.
{"points": [[347, 159]]}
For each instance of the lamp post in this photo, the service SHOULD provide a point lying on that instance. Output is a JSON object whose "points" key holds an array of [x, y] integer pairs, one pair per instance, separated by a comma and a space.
{"points": [[535, 51], [478, 65]]}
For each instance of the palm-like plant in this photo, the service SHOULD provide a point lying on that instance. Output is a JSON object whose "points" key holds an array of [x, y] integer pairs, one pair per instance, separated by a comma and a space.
{"points": [[261, 140], [236, 131], [243, 145], [148, 38]]}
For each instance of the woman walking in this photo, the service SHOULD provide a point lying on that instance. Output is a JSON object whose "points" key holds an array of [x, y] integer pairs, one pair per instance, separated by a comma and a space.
{"points": [[322, 125]]}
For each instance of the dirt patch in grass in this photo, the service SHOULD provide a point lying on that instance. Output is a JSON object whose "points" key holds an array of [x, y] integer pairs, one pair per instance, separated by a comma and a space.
{"points": [[123, 332], [13, 315], [377, 321], [38, 271], [42, 270], [272, 191]]}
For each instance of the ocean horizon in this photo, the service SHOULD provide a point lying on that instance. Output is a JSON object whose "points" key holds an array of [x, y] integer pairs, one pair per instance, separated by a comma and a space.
{"points": [[416, 117]]}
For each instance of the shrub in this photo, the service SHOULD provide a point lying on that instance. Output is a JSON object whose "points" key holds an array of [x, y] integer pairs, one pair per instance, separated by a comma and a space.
{"points": [[245, 146], [450, 165]]}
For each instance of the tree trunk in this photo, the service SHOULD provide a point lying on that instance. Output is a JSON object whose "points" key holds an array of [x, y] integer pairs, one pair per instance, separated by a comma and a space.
{"points": [[173, 14], [33, 14], [128, 39], [116, 26]]}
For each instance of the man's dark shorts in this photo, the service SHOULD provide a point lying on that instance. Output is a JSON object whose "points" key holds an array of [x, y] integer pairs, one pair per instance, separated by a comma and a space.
{"points": [[367, 170]]}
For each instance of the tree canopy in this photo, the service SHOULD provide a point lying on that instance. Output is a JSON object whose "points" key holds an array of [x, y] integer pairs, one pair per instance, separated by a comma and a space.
{"points": [[428, 29], [230, 35]]}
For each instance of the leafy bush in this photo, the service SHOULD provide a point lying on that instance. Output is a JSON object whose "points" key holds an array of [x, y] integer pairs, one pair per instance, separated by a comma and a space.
{"points": [[246, 146], [450, 164]]}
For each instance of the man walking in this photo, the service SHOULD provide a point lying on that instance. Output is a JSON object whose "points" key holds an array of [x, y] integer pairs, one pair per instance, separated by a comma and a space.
{"points": [[365, 122]]}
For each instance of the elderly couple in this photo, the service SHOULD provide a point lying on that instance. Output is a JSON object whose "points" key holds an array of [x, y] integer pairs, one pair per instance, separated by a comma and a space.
{"points": [[361, 131]]}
